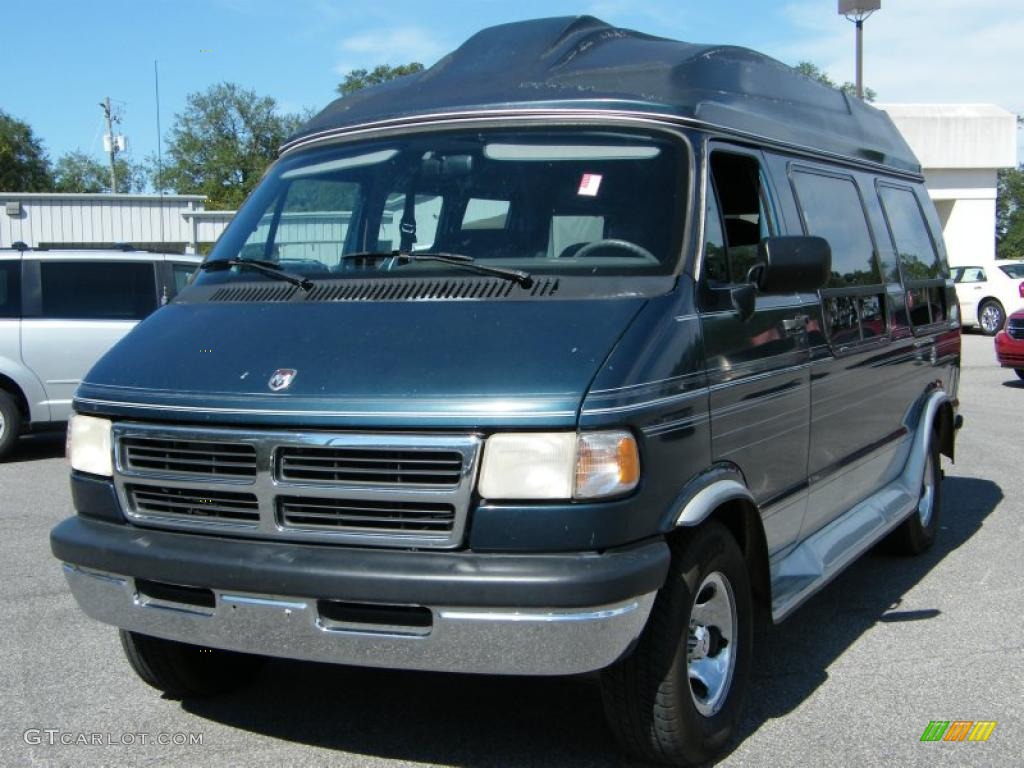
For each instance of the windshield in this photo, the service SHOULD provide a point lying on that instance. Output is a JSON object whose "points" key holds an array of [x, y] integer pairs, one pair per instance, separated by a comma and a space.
{"points": [[559, 202]]}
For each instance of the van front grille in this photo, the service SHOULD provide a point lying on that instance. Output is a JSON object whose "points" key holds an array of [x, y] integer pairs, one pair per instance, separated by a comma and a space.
{"points": [[398, 489], [368, 516], [189, 457], [357, 465], [1015, 329], [186, 504]]}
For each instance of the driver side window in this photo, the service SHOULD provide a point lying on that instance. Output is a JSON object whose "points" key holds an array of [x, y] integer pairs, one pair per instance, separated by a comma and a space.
{"points": [[736, 218]]}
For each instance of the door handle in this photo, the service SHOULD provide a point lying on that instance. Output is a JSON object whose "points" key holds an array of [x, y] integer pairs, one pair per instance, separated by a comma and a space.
{"points": [[794, 325]]}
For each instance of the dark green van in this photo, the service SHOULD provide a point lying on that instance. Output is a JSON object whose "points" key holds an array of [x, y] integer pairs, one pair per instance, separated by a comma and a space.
{"points": [[582, 350]]}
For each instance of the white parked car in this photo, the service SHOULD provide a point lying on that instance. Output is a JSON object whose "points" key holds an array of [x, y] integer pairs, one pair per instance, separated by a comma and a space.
{"points": [[60, 310], [989, 294]]}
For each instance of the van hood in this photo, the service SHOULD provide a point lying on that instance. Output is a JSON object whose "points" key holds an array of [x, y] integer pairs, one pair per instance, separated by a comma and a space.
{"points": [[397, 364]]}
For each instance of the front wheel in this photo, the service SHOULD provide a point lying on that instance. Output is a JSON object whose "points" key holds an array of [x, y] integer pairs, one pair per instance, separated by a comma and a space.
{"points": [[677, 697], [181, 670], [1019, 372], [991, 317]]}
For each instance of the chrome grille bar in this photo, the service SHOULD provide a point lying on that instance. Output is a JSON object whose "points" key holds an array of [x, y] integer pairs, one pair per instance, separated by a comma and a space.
{"points": [[387, 489]]}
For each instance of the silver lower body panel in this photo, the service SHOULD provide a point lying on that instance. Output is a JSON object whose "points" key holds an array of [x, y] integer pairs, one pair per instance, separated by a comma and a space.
{"points": [[475, 640]]}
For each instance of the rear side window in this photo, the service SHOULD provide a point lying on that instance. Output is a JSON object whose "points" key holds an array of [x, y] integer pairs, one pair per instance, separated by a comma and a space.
{"points": [[182, 273], [10, 288], [920, 263], [97, 290], [918, 257], [832, 209], [969, 275]]}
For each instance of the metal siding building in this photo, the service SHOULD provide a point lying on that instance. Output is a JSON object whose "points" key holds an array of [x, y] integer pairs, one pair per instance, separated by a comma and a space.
{"points": [[165, 222]]}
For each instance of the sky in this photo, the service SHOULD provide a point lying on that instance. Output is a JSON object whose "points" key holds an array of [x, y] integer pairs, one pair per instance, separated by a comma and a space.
{"points": [[62, 57]]}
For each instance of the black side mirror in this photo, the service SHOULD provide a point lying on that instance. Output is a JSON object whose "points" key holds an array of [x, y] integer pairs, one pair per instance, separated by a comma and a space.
{"points": [[798, 264]]}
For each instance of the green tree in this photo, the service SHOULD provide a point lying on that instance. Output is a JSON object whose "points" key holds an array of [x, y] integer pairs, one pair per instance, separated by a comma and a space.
{"points": [[1010, 213], [814, 72], [358, 79], [77, 171], [24, 166], [221, 144]]}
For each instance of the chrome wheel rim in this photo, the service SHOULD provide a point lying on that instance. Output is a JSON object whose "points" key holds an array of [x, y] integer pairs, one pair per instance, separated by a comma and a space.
{"points": [[926, 504], [3, 426], [711, 644], [990, 318]]}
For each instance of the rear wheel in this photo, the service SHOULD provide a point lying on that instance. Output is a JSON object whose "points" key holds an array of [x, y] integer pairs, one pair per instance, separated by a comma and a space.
{"points": [[181, 670], [991, 317], [677, 697], [916, 534], [1019, 372], [10, 424]]}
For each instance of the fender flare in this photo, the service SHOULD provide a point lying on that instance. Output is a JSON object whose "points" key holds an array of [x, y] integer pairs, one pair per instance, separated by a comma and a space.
{"points": [[705, 493]]}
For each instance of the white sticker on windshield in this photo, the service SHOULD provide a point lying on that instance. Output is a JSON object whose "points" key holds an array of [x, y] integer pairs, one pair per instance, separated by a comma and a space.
{"points": [[589, 184]]}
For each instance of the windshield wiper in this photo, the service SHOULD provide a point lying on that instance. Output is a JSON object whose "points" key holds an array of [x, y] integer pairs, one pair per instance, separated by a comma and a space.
{"points": [[264, 267], [442, 257]]}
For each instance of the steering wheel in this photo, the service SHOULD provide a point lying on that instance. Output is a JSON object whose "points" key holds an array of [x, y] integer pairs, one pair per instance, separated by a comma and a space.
{"points": [[623, 245]]}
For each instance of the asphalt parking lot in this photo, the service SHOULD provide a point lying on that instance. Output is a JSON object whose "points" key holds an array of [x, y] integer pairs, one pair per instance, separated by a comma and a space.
{"points": [[853, 678]]}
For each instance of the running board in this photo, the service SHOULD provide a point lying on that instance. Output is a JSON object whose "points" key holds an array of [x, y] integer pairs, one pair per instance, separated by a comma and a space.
{"points": [[824, 554]]}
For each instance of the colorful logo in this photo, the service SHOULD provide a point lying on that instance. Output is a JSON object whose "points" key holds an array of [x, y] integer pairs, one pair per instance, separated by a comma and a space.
{"points": [[958, 730]]}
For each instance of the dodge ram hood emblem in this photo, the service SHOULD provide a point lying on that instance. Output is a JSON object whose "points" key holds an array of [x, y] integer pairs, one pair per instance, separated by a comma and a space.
{"points": [[282, 379]]}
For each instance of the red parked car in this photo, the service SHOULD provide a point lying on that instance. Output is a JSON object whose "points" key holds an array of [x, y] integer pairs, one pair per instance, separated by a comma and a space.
{"points": [[1010, 343]]}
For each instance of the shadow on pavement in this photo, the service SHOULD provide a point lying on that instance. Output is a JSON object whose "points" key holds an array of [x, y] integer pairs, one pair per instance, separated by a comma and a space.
{"points": [[1014, 383], [496, 721], [45, 445]]}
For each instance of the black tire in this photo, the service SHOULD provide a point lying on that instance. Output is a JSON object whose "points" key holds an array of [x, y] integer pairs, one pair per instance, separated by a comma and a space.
{"points": [[10, 424], [1019, 372], [182, 671], [1000, 317], [647, 695], [916, 535]]}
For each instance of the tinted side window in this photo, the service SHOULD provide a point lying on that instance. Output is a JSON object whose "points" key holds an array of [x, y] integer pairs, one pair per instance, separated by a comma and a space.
{"points": [[832, 209], [97, 290], [716, 261], [10, 288], [910, 234]]}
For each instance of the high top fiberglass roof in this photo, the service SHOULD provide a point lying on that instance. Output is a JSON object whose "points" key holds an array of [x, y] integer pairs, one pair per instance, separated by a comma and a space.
{"points": [[585, 64]]}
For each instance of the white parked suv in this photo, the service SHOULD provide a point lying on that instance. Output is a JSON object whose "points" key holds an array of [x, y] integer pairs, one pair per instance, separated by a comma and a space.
{"points": [[59, 312], [989, 294]]}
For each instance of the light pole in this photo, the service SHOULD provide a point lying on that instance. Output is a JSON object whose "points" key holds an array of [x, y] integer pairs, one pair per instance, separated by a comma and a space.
{"points": [[858, 11]]}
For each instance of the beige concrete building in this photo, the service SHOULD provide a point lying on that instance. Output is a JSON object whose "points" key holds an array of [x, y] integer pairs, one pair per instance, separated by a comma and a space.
{"points": [[961, 148]]}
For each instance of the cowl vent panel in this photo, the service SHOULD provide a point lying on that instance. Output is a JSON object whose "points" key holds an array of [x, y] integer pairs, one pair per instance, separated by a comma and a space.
{"points": [[392, 290]]}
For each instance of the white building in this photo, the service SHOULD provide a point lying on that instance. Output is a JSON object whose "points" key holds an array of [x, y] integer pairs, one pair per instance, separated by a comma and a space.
{"points": [[961, 148]]}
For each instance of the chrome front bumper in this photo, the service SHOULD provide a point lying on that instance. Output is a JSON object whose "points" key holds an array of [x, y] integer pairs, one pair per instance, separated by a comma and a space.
{"points": [[477, 640]]}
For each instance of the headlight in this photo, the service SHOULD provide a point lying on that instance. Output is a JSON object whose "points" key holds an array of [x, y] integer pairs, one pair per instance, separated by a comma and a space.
{"points": [[89, 445], [559, 465]]}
